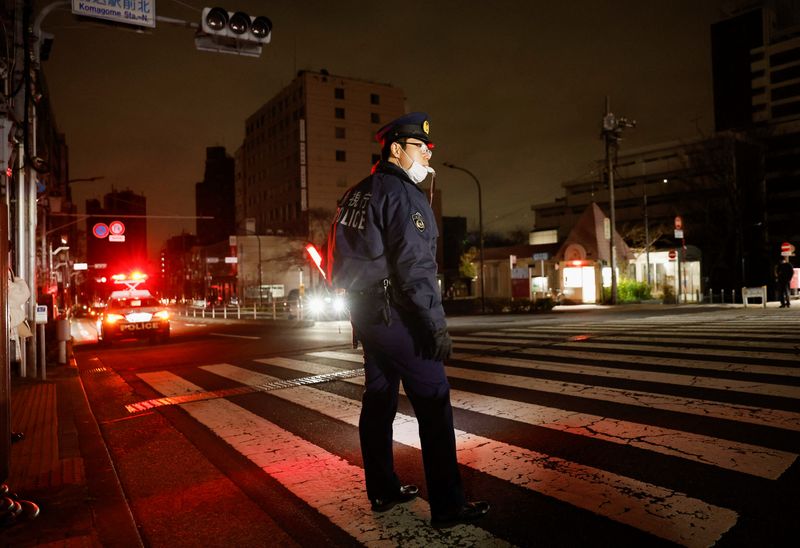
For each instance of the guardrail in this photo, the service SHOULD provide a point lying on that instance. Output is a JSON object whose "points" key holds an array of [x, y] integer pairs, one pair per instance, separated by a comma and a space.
{"points": [[273, 311]]}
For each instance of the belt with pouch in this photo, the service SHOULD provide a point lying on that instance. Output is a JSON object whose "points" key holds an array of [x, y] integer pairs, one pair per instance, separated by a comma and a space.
{"points": [[377, 292]]}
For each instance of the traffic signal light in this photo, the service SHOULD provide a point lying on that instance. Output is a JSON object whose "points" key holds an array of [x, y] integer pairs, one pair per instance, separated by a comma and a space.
{"points": [[233, 32]]}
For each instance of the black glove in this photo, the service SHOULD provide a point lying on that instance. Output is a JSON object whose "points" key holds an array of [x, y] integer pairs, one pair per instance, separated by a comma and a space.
{"points": [[441, 346]]}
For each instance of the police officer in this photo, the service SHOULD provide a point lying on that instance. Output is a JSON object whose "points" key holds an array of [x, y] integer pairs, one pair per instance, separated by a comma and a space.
{"points": [[785, 274], [382, 251]]}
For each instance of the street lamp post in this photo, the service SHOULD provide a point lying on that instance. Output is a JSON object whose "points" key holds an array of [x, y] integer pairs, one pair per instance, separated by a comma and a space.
{"points": [[258, 239], [480, 228], [646, 234]]}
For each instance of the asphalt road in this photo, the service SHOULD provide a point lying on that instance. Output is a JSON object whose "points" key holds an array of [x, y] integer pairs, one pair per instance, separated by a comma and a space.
{"points": [[632, 426]]}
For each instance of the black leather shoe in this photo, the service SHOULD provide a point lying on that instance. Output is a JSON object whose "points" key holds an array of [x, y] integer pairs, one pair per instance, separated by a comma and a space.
{"points": [[471, 511], [405, 494]]}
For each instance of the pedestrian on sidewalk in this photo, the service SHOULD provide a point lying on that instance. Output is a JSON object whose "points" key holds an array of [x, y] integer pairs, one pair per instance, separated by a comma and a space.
{"points": [[785, 274], [382, 251]]}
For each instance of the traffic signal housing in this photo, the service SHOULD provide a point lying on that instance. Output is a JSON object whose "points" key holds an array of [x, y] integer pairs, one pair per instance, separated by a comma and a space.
{"points": [[236, 32]]}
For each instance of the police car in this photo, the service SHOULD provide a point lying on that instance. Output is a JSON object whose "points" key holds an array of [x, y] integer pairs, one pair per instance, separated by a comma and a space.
{"points": [[133, 313]]}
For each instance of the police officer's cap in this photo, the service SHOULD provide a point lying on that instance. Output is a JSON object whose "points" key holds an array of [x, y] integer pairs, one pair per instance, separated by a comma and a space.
{"points": [[415, 125]]}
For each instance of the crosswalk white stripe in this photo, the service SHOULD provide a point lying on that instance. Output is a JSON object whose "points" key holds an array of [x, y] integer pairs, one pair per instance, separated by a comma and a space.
{"points": [[776, 418], [682, 519], [626, 337], [673, 348], [741, 457], [325, 481], [766, 333], [694, 381], [556, 349]]}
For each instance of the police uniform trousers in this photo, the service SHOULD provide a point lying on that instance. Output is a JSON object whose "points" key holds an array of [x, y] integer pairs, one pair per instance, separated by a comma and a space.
{"points": [[391, 355]]}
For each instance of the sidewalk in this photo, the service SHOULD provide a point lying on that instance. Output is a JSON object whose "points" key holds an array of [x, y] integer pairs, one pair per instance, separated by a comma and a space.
{"points": [[63, 466]]}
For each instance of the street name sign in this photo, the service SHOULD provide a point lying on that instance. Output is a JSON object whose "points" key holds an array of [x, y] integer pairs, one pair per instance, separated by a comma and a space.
{"points": [[141, 13]]}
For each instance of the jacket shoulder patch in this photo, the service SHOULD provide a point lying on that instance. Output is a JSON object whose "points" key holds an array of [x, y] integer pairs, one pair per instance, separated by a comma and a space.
{"points": [[419, 221]]}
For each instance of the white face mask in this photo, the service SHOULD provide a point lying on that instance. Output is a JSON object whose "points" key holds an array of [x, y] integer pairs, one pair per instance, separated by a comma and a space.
{"points": [[416, 172]]}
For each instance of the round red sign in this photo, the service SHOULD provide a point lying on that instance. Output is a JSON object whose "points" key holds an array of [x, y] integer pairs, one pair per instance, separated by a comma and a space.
{"points": [[116, 227], [673, 254], [100, 230], [786, 247]]}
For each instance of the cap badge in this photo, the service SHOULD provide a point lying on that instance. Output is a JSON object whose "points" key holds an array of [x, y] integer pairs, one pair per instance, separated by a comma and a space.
{"points": [[426, 127], [419, 222]]}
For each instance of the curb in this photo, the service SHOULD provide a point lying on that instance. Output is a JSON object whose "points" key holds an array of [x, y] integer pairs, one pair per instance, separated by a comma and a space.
{"points": [[113, 519]]}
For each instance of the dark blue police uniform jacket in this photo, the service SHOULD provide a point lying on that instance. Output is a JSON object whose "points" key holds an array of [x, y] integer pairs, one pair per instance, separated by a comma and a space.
{"points": [[385, 229]]}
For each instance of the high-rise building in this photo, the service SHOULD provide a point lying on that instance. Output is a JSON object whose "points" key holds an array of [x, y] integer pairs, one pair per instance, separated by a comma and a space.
{"points": [[121, 252], [305, 146], [214, 197], [756, 69]]}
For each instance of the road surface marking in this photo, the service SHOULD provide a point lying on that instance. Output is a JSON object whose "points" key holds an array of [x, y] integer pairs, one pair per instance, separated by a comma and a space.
{"points": [[234, 336], [694, 381], [651, 508], [328, 483], [730, 455], [775, 418], [585, 352], [626, 337]]}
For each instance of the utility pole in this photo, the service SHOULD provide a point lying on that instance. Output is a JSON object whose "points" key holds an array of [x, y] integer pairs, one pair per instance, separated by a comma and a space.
{"points": [[612, 134]]}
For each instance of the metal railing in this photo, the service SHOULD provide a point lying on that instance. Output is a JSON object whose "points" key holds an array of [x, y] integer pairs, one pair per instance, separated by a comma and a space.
{"points": [[272, 311]]}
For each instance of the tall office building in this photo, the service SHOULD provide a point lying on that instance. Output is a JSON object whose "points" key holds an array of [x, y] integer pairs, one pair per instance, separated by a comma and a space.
{"points": [[305, 147], [214, 197], [756, 69]]}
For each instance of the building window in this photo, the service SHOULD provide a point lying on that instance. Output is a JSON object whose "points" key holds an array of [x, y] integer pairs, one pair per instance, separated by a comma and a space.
{"points": [[376, 158], [374, 98], [341, 156], [339, 113], [375, 117], [339, 132], [338, 93]]}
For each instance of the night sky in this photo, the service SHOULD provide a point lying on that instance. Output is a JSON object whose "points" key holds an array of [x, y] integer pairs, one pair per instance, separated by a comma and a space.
{"points": [[515, 90]]}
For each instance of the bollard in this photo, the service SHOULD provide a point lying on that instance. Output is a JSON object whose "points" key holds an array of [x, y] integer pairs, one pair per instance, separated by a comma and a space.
{"points": [[274, 311], [238, 312], [42, 351], [62, 336], [213, 312], [224, 312], [254, 312]]}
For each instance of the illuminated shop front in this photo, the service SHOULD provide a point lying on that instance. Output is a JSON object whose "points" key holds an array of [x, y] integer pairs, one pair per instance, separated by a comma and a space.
{"points": [[667, 267], [580, 281]]}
